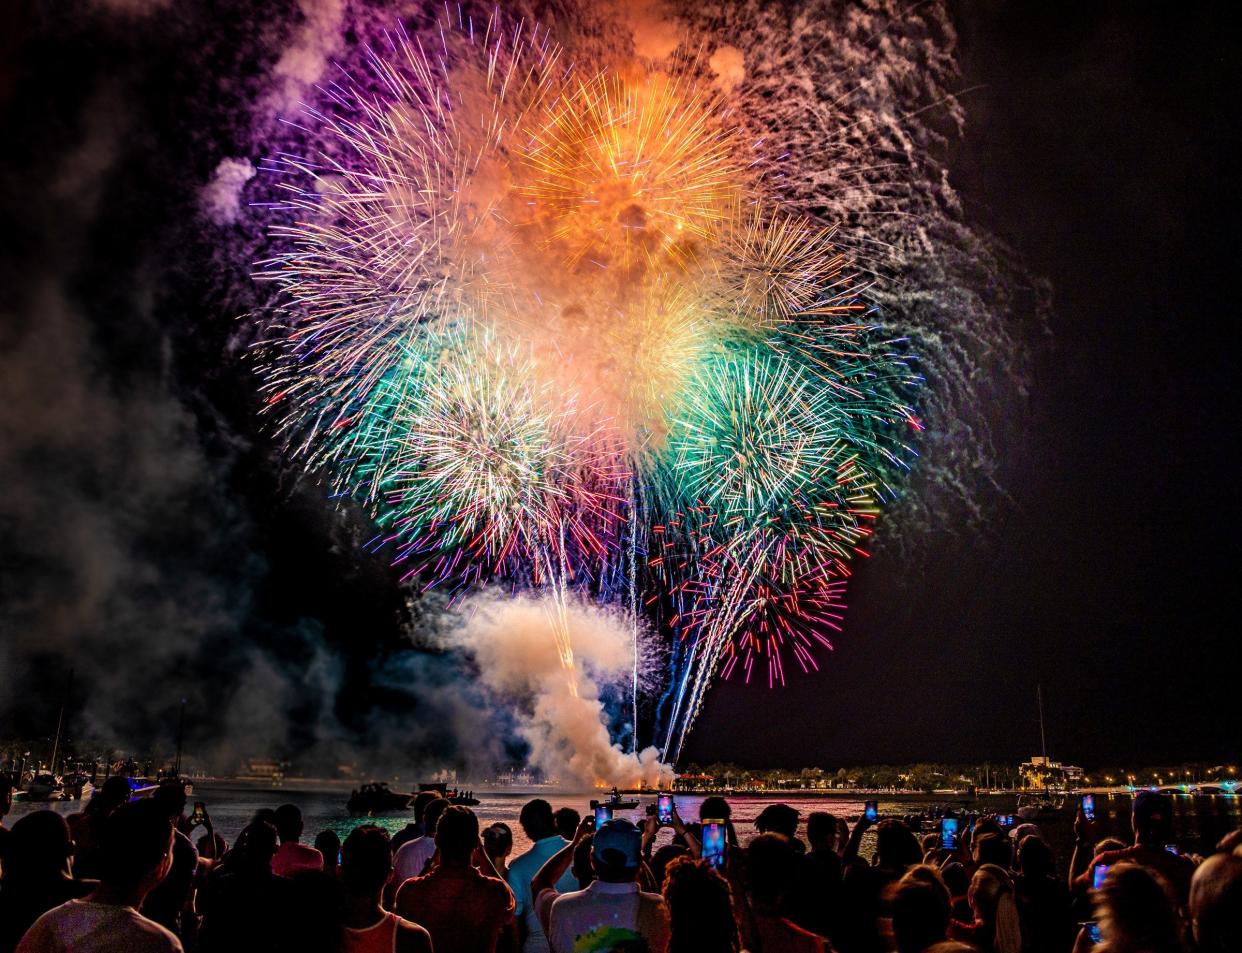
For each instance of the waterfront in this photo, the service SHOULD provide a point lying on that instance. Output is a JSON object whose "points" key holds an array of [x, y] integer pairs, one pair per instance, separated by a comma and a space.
{"points": [[1199, 820]]}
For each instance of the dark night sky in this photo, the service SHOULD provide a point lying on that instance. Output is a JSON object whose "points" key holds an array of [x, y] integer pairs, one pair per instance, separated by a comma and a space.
{"points": [[1100, 146]]}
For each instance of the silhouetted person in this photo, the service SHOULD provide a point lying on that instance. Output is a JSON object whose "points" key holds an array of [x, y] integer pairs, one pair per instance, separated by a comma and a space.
{"points": [[771, 872], [864, 887], [1043, 900], [815, 899], [135, 852], [411, 859], [463, 908], [329, 846], [1152, 818], [539, 825], [1137, 913], [167, 901], [1216, 905], [700, 909], [292, 855], [995, 927], [86, 828], [566, 820], [366, 868], [498, 845], [613, 900], [244, 905], [415, 828], [36, 874], [920, 909]]}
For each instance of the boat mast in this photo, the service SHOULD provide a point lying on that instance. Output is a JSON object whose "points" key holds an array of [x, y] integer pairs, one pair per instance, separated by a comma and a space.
{"points": [[180, 737], [1043, 741], [60, 722]]}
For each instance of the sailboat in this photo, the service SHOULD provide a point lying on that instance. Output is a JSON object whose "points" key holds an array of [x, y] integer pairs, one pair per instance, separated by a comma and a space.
{"points": [[47, 786], [1045, 803]]}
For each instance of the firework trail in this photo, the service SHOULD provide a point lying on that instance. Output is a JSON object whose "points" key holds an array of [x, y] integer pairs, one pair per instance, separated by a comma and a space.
{"points": [[594, 328]]}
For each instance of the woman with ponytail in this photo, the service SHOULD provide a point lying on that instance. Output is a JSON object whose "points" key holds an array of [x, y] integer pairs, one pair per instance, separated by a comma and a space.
{"points": [[996, 928]]}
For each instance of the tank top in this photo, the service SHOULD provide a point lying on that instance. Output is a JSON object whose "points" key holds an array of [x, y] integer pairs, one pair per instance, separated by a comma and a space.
{"points": [[380, 938]]}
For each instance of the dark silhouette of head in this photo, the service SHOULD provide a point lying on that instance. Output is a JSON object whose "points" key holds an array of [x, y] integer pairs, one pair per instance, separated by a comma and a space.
{"points": [[38, 848], [432, 814], [329, 845], [255, 847], [921, 908], [498, 841], [581, 867], [136, 846], [771, 869], [1137, 911], [366, 861], [566, 820], [956, 878], [700, 909], [457, 835], [421, 800], [661, 859], [288, 823], [1152, 818], [821, 830], [1035, 858], [172, 798], [1216, 904], [114, 792], [777, 819], [993, 849], [616, 850], [537, 819], [715, 807], [896, 847]]}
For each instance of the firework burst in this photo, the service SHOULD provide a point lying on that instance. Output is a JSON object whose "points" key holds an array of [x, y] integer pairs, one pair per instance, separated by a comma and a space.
{"points": [[541, 319]]}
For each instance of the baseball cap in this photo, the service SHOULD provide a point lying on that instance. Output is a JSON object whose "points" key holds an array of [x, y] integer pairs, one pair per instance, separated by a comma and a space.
{"points": [[617, 844]]}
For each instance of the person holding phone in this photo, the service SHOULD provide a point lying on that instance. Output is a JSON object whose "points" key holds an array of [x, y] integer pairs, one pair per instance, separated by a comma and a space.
{"points": [[614, 900], [538, 822], [1152, 818]]}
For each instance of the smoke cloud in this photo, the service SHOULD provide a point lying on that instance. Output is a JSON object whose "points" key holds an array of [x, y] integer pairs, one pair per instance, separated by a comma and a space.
{"points": [[559, 712]]}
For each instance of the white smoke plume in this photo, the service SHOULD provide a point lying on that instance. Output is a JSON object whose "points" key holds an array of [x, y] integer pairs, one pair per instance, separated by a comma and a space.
{"points": [[221, 197], [559, 711]]}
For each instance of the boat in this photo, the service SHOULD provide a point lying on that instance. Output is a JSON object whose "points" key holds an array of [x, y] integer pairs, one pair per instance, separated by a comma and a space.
{"points": [[616, 801], [376, 798], [1032, 806], [76, 786], [44, 787], [455, 796]]}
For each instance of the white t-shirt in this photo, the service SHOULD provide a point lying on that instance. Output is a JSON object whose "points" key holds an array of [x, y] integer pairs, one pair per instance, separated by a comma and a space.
{"points": [[603, 914], [81, 926], [522, 870], [411, 857]]}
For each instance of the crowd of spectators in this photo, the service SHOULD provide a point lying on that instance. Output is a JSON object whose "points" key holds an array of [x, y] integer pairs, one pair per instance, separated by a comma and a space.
{"points": [[135, 876]]}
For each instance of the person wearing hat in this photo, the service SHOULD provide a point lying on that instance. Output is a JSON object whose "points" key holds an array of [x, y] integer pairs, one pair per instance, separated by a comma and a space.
{"points": [[1152, 818], [611, 911]]}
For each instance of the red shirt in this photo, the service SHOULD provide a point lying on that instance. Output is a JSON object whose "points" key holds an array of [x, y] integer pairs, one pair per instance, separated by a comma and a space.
{"points": [[463, 910]]}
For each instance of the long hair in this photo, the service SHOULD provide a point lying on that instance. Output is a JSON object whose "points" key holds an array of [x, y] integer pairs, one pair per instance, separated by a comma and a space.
{"points": [[700, 909], [1136, 911], [992, 899]]}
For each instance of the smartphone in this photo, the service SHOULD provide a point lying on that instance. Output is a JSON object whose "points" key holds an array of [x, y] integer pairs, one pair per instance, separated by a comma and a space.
{"points": [[714, 842], [200, 814], [664, 808], [871, 811], [1097, 877], [1088, 806], [1093, 930], [1005, 820], [1172, 849], [948, 833], [603, 814]]}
